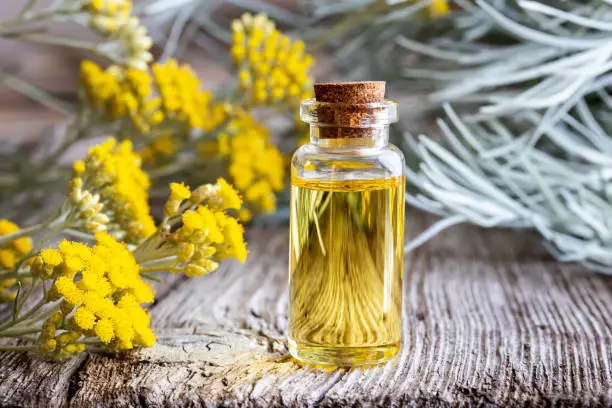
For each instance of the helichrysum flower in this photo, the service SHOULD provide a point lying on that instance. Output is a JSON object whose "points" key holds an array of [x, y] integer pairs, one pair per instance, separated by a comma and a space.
{"points": [[182, 99], [10, 254], [112, 19], [121, 94], [207, 234], [168, 100], [109, 192], [97, 292], [103, 89], [255, 166], [168, 106], [273, 69], [102, 294]]}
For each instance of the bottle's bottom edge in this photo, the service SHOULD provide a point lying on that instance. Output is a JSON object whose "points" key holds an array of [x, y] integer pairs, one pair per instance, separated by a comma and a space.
{"points": [[343, 356]]}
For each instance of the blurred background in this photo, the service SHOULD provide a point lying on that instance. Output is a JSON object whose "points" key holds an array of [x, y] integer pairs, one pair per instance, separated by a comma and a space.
{"points": [[504, 105]]}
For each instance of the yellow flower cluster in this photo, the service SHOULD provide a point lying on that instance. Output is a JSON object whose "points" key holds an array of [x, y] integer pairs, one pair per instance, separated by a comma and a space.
{"points": [[167, 105], [183, 100], [273, 69], [113, 20], [178, 105], [256, 167], [10, 254], [117, 94], [109, 192], [207, 234], [58, 346], [101, 292]]}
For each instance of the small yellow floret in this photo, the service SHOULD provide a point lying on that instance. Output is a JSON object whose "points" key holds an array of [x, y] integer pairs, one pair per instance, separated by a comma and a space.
{"points": [[84, 318], [228, 195], [105, 331], [51, 257], [7, 227], [233, 234], [79, 167], [22, 245], [68, 289], [179, 191], [7, 259]]}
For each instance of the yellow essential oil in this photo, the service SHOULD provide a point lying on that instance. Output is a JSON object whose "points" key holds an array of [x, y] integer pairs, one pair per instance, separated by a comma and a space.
{"points": [[346, 261], [346, 253]]}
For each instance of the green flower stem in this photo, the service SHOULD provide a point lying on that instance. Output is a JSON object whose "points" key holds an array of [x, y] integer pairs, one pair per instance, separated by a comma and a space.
{"points": [[34, 321], [20, 332], [50, 40], [12, 274], [170, 169], [79, 234], [25, 18], [150, 277], [55, 226], [146, 257], [18, 305], [37, 94], [77, 130], [14, 322], [156, 263], [51, 224], [142, 247], [21, 32], [158, 269], [23, 232]]}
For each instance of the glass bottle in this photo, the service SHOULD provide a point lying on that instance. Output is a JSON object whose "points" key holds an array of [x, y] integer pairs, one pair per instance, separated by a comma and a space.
{"points": [[346, 230]]}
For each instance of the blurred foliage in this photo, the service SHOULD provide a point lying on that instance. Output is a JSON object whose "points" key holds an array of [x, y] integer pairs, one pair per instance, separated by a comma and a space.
{"points": [[180, 130], [524, 86]]}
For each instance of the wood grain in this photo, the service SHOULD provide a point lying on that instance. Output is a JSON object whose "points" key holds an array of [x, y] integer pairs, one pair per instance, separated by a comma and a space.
{"points": [[489, 320]]}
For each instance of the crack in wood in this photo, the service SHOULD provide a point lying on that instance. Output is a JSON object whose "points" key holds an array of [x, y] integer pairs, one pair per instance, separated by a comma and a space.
{"points": [[74, 380]]}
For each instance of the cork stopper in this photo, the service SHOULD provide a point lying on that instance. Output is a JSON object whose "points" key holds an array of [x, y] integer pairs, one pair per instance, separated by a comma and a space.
{"points": [[350, 92], [348, 107]]}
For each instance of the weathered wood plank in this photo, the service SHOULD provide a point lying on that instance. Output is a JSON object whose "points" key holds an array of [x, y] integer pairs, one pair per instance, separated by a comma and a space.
{"points": [[26, 381], [482, 327], [489, 320]]}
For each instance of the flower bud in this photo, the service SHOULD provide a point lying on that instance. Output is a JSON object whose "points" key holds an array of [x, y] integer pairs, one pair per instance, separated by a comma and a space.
{"points": [[186, 251]]}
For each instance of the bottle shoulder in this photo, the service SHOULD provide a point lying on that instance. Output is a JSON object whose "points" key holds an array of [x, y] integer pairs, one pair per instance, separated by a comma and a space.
{"points": [[310, 150], [313, 162]]}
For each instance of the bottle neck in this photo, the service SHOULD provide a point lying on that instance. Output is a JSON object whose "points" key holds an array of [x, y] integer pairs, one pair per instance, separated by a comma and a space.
{"points": [[374, 137]]}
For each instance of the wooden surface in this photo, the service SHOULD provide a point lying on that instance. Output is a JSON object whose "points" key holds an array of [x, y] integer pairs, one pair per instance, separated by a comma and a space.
{"points": [[490, 320]]}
